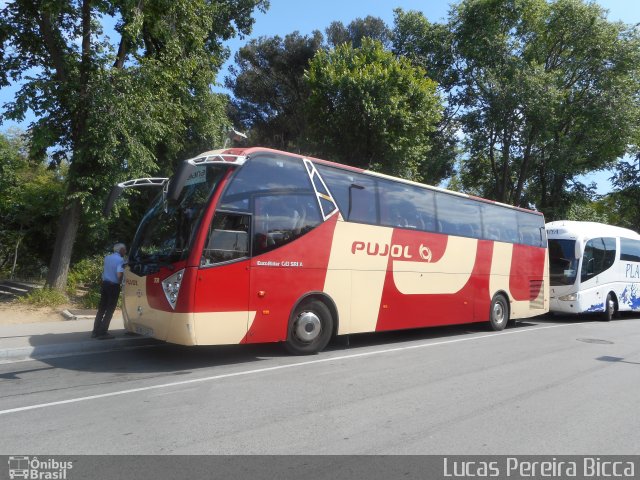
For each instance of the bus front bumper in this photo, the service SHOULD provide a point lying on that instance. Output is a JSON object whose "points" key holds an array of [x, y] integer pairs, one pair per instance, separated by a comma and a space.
{"points": [[573, 304]]}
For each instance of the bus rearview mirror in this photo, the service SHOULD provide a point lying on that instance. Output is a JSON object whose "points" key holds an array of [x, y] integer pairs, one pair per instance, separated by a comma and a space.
{"points": [[176, 184], [578, 252]]}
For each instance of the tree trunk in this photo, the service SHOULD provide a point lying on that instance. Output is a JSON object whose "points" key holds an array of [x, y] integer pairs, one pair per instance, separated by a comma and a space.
{"points": [[65, 238], [524, 169], [70, 218], [15, 258]]}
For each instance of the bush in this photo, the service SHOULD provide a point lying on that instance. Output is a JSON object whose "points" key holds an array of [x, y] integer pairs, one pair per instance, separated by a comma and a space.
{"points": [[44, 297], [92, 298], [86, 273]]}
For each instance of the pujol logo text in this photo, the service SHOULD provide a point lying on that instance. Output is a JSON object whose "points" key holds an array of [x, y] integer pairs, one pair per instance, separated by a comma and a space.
{"points": [[393, 250]]}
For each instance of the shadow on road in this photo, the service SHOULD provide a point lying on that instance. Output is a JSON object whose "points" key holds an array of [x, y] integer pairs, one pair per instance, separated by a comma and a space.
{"points": [[163, 359]]}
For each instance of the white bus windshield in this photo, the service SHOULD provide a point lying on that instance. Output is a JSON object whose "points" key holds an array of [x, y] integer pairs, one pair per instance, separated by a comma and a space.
{"points": [[563, 266]]}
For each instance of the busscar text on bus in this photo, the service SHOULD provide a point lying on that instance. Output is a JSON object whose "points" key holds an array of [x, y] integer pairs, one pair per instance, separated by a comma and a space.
{"points": [[250, 245]]}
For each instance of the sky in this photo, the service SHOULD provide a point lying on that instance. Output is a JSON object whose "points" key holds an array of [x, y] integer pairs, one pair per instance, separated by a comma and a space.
{"points": [[286, 16]]}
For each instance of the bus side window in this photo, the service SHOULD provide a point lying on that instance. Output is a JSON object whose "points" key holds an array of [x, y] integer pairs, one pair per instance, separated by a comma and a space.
{"points": [[531, 229], [458, 215], [599, 255], [629, 250], [610, 252], [280, 219], [499, 223], [228, 239]]}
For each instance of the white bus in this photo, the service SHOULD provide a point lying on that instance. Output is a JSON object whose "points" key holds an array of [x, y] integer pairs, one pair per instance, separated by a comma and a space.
{"points": [[593, 268]]}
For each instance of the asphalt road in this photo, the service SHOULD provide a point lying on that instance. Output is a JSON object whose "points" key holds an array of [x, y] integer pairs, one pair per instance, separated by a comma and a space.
{"points": [[547, 386]]}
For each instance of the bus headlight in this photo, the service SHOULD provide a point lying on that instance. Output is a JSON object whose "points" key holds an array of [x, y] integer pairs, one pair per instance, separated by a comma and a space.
{"points": [[572, 297], [171, 287]]}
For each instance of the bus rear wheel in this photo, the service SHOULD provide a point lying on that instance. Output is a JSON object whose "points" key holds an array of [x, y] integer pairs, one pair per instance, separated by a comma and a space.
{"points": [[499, 312], [310, 328]]}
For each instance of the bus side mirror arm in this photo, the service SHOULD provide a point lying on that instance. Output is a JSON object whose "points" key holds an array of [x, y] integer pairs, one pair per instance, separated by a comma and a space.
{"points": [[117, 189], [578, 250]]}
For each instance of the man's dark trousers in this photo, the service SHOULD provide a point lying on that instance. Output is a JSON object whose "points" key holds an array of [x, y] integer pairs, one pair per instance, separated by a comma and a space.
{"points": [[109, 293]]}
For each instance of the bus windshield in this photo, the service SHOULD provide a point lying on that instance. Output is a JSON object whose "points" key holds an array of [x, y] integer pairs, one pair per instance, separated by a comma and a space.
{"points": [[563, 266], [168, 228]]}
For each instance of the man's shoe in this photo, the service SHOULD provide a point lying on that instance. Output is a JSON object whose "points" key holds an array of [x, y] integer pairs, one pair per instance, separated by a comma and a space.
{"points": [[105, 336], [94, 334]]}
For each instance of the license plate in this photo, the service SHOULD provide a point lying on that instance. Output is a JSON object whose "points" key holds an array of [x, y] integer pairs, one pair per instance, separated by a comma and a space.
{"points": [[142, 330]]}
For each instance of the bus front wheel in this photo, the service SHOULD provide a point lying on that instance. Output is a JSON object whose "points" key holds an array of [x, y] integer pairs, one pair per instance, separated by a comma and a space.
{"points": [[609, 308], [310, 328], [499, 313]]}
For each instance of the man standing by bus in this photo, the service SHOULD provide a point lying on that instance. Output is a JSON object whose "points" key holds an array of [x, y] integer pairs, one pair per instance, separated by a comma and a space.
{"points": [[109, 291]]}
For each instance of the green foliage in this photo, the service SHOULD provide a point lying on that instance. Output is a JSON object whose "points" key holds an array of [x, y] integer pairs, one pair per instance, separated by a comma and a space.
{"points": [[537, 87], [269, 89], [86, 273], [587, 212], [31, 194], [625, 199], [370, 27], [427, 45], [116, 110], [372, 110], [44, 297], [542, 86], [85, 280], [92, 299]]}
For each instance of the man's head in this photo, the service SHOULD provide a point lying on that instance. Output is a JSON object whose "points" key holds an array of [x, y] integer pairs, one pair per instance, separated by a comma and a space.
{"points": [[120, 248]]}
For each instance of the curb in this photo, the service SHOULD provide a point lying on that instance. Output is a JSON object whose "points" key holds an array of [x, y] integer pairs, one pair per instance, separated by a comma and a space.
{"points": [[70, 316], [40, 352]]}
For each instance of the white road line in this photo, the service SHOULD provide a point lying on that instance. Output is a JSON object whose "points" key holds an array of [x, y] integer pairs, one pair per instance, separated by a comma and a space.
{"points": [[279, 367]]}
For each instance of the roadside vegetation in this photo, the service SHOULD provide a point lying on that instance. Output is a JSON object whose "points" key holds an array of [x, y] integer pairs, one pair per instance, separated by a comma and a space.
{"points": [[512, 100]]}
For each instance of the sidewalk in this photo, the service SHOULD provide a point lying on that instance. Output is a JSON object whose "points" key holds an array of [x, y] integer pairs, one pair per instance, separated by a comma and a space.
{"points": [[31, 341]]}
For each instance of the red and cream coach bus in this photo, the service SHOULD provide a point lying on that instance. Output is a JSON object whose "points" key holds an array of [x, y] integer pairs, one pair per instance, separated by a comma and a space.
{"points": [[256, 245]]}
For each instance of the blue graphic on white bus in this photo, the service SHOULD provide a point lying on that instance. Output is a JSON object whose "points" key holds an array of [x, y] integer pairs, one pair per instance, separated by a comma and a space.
{"points": [[598, 307], [630, 296]]}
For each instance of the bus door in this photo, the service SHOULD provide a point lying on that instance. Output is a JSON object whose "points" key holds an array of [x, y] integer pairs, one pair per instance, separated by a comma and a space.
{"points": [[222, 313], [279, 269], [599, 255]]}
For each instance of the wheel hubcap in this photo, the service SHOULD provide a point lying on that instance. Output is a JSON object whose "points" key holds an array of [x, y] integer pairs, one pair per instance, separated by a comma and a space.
{"points": [[308, 326], [498, 313]]}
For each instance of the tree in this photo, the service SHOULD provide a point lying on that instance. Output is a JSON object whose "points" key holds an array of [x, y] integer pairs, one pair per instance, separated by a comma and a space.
{"points": [[357, 30], [542, 87], [30, 199], [587, 212], [372, 110], [114, 108], [430, 46], [270, 90], [269, 87], [625, 198]]}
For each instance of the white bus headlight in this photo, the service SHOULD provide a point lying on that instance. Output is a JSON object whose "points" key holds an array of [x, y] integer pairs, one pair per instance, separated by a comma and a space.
{"points": [[572, 297], [171, 287]]}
